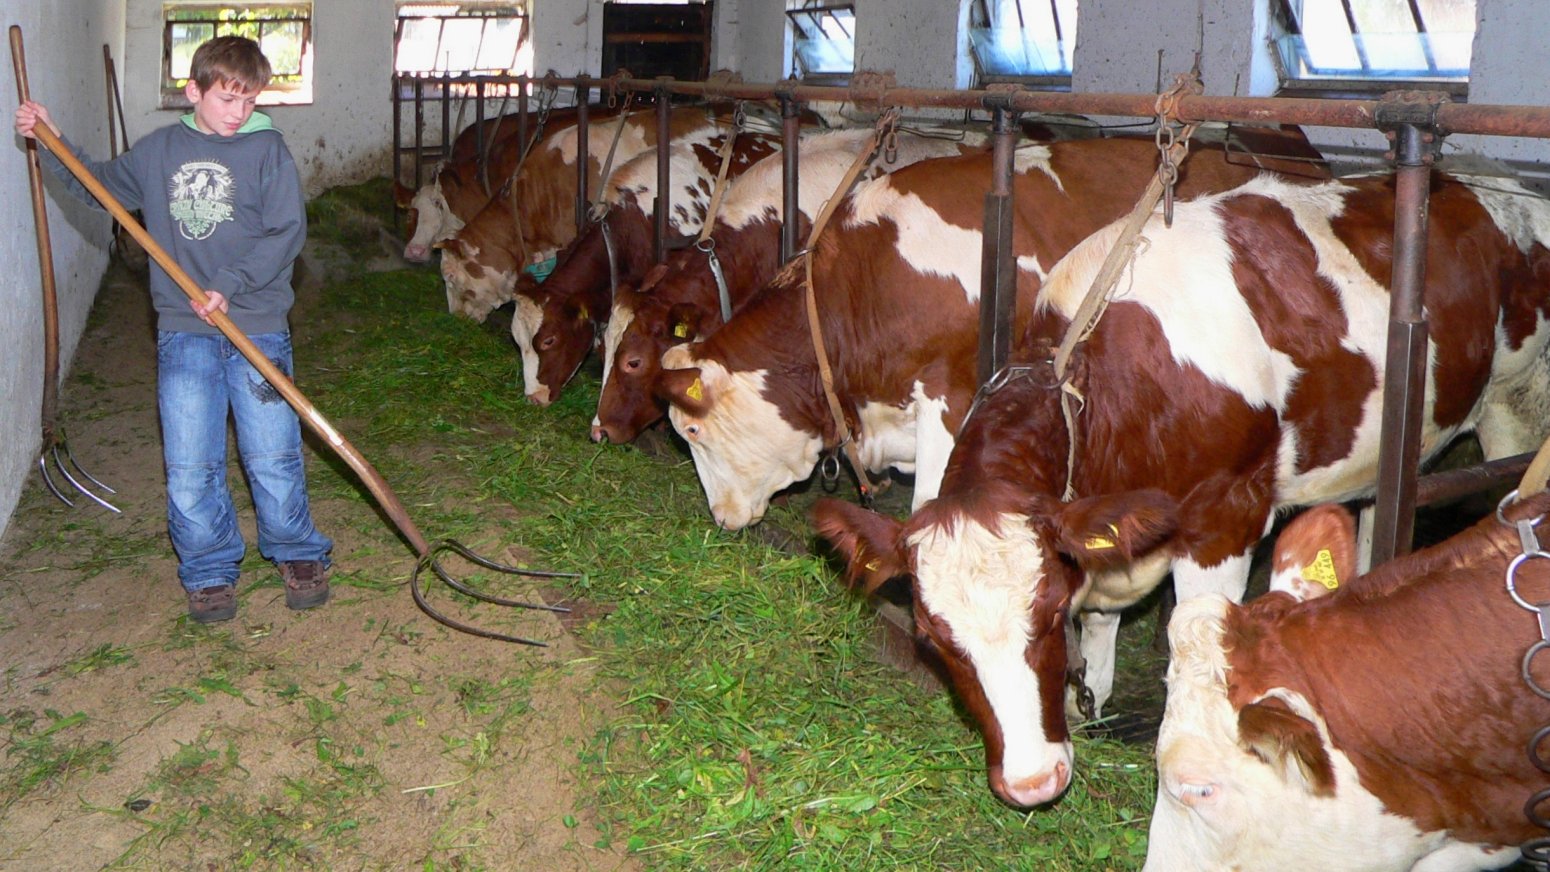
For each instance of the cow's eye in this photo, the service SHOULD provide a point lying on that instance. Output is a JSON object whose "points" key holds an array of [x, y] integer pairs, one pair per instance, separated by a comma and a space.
{"points": [[692, 431], [632, 364], [1193, 793], [547, 343]]}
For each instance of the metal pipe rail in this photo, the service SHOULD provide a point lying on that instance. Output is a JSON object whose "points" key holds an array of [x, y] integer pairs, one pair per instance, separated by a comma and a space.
{"points": [[1415, 121]]}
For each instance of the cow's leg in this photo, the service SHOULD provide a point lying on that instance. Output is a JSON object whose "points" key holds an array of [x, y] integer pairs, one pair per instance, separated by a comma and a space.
{"points": [[1230, 578], [933, 445], [1099, 644], [1515, 414]]}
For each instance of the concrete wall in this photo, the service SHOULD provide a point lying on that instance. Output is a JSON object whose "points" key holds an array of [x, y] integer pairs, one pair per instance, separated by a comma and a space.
{"points": [[343, 135]]}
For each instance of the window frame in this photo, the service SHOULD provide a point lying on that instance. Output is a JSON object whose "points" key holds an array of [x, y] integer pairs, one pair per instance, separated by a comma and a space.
{"points": [[982, 16], [281, 90], [810, 9], [1285, 35], [519, 10]]}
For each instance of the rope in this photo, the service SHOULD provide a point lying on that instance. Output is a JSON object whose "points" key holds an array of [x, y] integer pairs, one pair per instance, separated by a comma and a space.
{"points": [[883, 130], [1125, 249]]}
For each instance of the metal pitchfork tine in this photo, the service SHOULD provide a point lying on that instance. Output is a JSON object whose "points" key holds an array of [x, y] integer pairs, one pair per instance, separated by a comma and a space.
{"points": [[304, 409], [53, 434]]}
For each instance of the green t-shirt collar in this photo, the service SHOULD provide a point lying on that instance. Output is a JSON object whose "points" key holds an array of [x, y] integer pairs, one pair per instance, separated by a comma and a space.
{"points": [[256, 121]]}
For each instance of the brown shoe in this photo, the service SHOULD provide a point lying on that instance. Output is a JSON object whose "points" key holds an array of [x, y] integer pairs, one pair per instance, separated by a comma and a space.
{"points": [[209, 605], [306, 583]]}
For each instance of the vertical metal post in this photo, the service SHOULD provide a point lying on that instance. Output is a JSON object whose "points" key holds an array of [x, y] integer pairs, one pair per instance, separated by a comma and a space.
{"points": [[1405, 380], [583, 94], [398, 140], [446, 114], [522, 91], [419, 130], [998, 262], [790, 137], [663, 204], [481, 134]]}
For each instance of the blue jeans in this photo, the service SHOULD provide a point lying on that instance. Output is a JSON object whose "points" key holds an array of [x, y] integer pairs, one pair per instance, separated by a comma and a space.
{"points": [[200, 380]]}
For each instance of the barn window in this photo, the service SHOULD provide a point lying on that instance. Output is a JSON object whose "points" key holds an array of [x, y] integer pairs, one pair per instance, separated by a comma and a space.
{"points": [[463, 38], [283, 30], [1365, 45], [823, 41], [1024, 41]]}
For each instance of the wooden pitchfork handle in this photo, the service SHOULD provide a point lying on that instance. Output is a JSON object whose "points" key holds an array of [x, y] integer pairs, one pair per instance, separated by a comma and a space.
{"points": [[45, 259], [304, 408]]}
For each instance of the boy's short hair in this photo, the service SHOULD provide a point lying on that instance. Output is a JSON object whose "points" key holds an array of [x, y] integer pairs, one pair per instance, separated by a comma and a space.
{"points": [[230, 59]]}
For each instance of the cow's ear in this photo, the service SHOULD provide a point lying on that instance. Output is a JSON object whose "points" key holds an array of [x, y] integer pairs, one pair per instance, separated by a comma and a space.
{"points": [[869, 542], [686, 389], [1288, 743], [652, 277], [1315, 553], [1116, 528], [683, 322], [403, 195], [457, 247]]}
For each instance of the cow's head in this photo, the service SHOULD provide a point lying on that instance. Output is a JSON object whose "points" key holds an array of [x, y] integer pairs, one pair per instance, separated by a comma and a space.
{"points": [[633, 368], [1221, 768], [567, 330], [428, 220], [744, 450], [478, 279], [994, 576]]}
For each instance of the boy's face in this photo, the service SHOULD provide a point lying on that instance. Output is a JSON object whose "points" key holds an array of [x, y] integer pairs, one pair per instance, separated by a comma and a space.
{"points": [[223, 108]]}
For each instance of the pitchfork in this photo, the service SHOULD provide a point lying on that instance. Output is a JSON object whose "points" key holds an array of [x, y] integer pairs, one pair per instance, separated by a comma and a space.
{"points": [[54, 443], [304, 409]]}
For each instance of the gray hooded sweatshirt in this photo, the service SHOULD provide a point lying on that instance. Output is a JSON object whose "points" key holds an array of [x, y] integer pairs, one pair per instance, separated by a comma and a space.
{"points": [[228, 209]]}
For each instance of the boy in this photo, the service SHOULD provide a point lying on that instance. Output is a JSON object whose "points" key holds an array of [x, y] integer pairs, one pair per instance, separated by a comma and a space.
{"points": [[220, 192]]}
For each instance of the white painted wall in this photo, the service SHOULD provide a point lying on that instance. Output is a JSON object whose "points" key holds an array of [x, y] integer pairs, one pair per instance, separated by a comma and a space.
{"points": [[63, 42], [343, 136]]}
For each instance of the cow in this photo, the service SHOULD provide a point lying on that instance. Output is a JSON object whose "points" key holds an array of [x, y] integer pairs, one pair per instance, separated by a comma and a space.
{"points": [[897, 275], [534, 214], [1237, 371], [456, 191], [1381, 726], [555, 322], [683, 300]]}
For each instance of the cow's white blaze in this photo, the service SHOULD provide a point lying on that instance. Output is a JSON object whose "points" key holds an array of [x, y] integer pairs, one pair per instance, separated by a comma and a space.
{"points": [[744, 451], [933, 444], [619, 319], [1220, 808], [525, 321], [982, 585], [433, 221]]}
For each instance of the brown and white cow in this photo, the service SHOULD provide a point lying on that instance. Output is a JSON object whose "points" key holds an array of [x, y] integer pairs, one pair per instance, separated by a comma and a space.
{"points": [[897, 275], [1381, 728], [456, 192], [1237, 370], [534, 215], [683, 300], [556, 320]]}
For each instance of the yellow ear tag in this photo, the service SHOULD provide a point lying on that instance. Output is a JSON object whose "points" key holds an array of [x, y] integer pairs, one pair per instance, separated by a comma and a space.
{"points": [[584, 314], [1322, 570], [696, 391], [681, 330], [1101, 543], [873, 565]]}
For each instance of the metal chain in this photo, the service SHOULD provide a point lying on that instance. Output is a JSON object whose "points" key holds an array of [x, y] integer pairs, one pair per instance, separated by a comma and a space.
{"points": [[1536, 851]]}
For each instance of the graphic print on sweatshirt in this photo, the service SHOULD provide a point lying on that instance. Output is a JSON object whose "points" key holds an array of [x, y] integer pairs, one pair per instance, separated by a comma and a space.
{"points": [[200, 198]]}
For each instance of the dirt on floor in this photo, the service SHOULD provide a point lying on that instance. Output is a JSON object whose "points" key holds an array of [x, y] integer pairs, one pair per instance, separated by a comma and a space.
{"points": [[359, 735]]}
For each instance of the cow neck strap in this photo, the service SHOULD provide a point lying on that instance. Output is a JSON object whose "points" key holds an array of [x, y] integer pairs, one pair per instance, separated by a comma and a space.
{"points": [[608, 163], [1127, 245], [886, 125], [705, 243]]}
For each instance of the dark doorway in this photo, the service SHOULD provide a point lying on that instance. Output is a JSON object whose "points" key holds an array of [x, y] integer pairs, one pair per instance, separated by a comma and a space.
{"points": [[652, 39]]}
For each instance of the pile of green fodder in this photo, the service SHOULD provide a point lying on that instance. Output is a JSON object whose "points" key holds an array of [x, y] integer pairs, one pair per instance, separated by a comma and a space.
{"points": [[756, 726]]}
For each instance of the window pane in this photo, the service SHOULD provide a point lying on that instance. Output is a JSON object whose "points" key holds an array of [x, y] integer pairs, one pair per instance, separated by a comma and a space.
{"points": [[186, 38], [281, 43], [1026, 38], [825, 39], [459, 48], [417, 45], [499, 51], [1387, 43]]}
